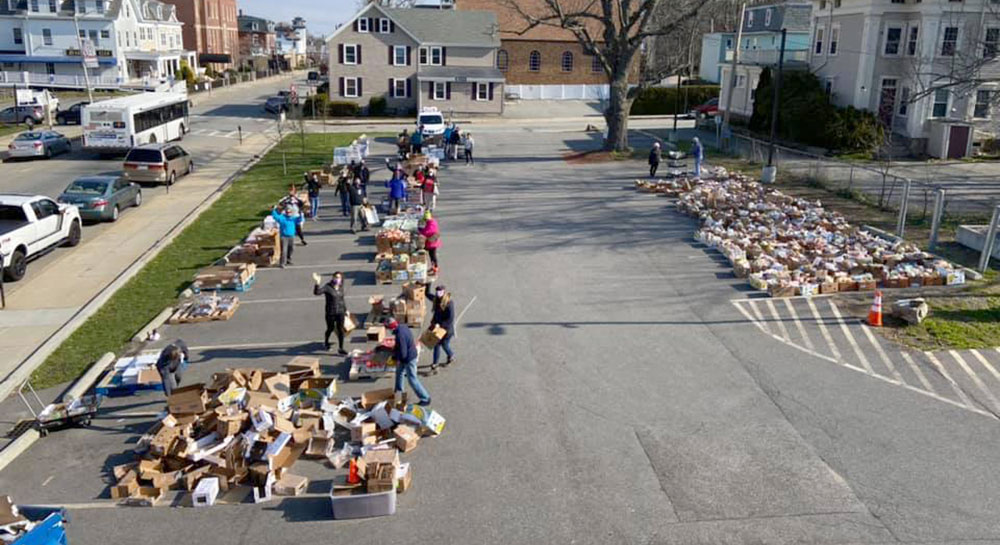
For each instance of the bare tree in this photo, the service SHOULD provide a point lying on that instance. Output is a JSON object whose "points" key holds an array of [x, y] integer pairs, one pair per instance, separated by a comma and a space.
{"points": [[616, 31]]}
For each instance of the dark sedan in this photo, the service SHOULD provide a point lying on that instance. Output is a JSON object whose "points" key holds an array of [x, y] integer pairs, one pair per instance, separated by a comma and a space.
{"points": [[102, 198], [71, 115]]}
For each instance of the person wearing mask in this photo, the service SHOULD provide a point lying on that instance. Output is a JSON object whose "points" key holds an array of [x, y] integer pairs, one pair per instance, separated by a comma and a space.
{"points": [[417, 140], [336, 309], [699, 155], [313, 187], [446, 139], [429, 190], [344, 191], [397, 191], [406, 356], [456, 140], [429, 229], [287, 224], [469, 144], [357, 201], [365, 175], [403, 143], [171, 364], [292, 200], [444, 316], [655, 155]]}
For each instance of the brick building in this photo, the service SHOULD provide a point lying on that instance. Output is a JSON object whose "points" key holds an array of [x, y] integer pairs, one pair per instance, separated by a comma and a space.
{"points": [[257, 42], [211, 29], [543, 62]]}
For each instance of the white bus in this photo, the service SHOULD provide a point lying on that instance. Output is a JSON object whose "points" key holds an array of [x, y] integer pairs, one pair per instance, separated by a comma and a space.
{"points": [[120, 124]]}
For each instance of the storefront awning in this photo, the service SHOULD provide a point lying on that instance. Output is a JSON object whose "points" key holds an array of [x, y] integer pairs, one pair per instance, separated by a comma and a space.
{"points": [[153, 56], [221, 58], [460, 74]]}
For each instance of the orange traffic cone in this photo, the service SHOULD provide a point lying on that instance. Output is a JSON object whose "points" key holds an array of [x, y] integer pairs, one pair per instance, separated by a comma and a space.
{"points": [[875, 314]]}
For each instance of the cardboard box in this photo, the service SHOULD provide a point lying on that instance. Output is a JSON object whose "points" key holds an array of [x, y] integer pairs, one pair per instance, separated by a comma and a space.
{"points": [[188, 400], [415, 292], [291, 485], [145, 496], [432, 337], [376, 333], [318, 388], [428, 419], [404, 478], [364, 433], [355, 503], [206, 492], [279, 385], [302, 367], [380, 477], [320, 447], [406, 437], [373, 397], [126, 486], [231, 424]]}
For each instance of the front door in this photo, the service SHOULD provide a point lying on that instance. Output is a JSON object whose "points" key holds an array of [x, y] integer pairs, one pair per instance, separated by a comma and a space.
{"points": [[958, 141], [887, 101]]}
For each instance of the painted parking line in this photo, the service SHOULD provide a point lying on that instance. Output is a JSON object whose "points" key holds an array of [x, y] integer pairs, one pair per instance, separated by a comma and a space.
{"points": [[975, 379], [778, 320], [312, 299], [798, 325], [252, 346], [985, 363], [885, 358], [944, 373], [920, 374], [823, 330], [850, 338], [760, 317]]}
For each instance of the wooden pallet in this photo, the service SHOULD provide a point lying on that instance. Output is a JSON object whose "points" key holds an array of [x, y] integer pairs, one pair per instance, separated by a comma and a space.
{"points": [[182, 315], [224, 286]]}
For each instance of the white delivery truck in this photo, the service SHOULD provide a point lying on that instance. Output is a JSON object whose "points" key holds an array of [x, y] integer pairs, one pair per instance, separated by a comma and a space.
{"points": [[31, 225]]}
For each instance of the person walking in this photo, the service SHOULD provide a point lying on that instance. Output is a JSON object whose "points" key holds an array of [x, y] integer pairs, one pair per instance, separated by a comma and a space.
{"points": [[699, 155], [444, 316], [287, 224], [336, 309], [429, 229], [469, 144], [357, 200], [446, 140], [292, 200], [417, 140], [344, 191], [403, 143], [406, 356], [365, 175], [313, 187], [171, 364], [429, 190], [397, 191], [456, 140], [655, 156]]}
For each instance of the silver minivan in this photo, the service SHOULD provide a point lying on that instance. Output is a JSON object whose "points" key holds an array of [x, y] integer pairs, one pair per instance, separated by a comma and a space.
{"points": [[157, 163]]}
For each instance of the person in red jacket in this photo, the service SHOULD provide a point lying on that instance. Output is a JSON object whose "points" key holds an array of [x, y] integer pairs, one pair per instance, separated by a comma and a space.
{"points": [[429, 229]]}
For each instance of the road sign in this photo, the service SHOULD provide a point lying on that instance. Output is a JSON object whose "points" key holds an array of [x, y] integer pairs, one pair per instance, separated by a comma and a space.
{"points": [[89, 53], [24, 96]]}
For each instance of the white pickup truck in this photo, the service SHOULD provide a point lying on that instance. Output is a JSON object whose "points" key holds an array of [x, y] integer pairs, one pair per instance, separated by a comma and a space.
{"points": [[31, 225]]}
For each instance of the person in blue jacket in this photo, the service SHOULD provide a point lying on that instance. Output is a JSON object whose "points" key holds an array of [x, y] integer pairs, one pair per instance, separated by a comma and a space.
{"points": [[288, 224], [406, 361], [397, 191], [417, 140]]}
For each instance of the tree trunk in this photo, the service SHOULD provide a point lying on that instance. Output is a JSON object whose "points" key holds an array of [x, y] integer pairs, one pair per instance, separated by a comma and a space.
{"points": [[616, 114]]}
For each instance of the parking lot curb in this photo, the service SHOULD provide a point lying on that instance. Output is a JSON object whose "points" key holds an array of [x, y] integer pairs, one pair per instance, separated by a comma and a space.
{"points": [[154, 324], [28, 366], [18, 446]]}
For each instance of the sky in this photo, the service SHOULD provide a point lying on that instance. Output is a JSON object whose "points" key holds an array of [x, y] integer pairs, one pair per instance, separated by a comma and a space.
{"points": [[322, 16]]}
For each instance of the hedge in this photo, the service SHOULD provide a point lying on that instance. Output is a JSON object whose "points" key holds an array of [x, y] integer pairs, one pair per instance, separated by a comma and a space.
{"points": [[666, 101]]}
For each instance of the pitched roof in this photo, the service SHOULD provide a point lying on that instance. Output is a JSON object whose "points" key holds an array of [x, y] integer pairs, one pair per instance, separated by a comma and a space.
{"points": [[513, 25], [246, 22], [792, 17], [430, 26]]}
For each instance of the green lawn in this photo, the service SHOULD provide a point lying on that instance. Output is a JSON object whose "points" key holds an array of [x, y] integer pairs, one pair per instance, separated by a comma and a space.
{"points": [[157, 286], [6, 130]]}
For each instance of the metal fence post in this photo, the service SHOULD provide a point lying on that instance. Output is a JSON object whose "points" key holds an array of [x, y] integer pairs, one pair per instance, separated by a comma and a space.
{"points": [[901, 222], [984, 258], [936, 217]]}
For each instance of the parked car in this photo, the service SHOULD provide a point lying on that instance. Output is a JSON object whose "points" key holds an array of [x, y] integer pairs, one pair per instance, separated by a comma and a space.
{"points": [[313, 75], [31, 225], [708, 109], [71, 115], [29, 115], [432, 120], [157, 163], [102, 198], [276, 105], [38, 144]]}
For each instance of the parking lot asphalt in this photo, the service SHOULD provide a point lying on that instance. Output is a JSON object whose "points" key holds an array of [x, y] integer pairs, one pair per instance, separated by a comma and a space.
{"points": [[606, 392]]}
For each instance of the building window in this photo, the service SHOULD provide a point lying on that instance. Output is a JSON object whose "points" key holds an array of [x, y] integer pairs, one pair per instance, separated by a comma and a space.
{"points": [[50, 68], [399, 88], [363, 24], [834, 39], [350, 54], [911, 42], [904, 101], [482, 91], [163, 39], [34, 5], [52, 6], [990, 43], [47, 36], [596, 66], [822, 5], [18, 37], [93, 37], [399, 55], [440, 90], [433, 56], [741, 81], [767, 17], [828, 87], [100, 6], [503, 60], [352, 87], [81, 5], [106, 34], [898, 1], [567, 61], [819, 40], [534, 61], [836, 3], [83, 33], [940, 108], [949, 41], [384, 26], [893, 35], [749, 19], [982, 108]]}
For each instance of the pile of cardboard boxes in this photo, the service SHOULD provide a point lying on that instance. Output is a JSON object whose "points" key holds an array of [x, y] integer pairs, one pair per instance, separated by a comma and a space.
{"points": [[262, 247], [248, 427], [205, 307], [235, 276]]}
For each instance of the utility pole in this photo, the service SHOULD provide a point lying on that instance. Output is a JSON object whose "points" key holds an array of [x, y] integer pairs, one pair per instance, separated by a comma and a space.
{"points": [[732, 75], [771, 171], [83, 59]]}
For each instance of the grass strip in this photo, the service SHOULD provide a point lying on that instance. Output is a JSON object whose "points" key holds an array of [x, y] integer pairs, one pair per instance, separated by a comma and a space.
{"points": [[207, 239]]}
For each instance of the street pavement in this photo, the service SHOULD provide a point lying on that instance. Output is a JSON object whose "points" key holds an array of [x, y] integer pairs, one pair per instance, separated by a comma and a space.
{"points": [[615, 384], [39, 305]]}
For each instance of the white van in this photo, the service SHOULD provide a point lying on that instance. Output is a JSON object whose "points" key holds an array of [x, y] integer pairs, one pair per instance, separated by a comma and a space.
{"points": [[433, 122]]}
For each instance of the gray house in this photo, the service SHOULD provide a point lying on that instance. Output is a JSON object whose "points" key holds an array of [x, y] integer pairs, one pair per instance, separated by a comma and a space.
{"points": [[418, 58]]}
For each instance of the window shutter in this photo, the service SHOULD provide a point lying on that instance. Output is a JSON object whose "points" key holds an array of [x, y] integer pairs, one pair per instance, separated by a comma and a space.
{"points": [[392, 88], [341, 86], [356, 23], [391, 56], [444, 56], [491, 91], [392, 25], [358, 47], [360, 92], [409, 88], [409, 55], [340, 51], [447, 90], [430, 85], [371, 24]]}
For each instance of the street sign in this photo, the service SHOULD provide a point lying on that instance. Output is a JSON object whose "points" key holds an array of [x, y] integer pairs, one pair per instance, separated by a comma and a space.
{"points": [[89, 53], [24, 96]]}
